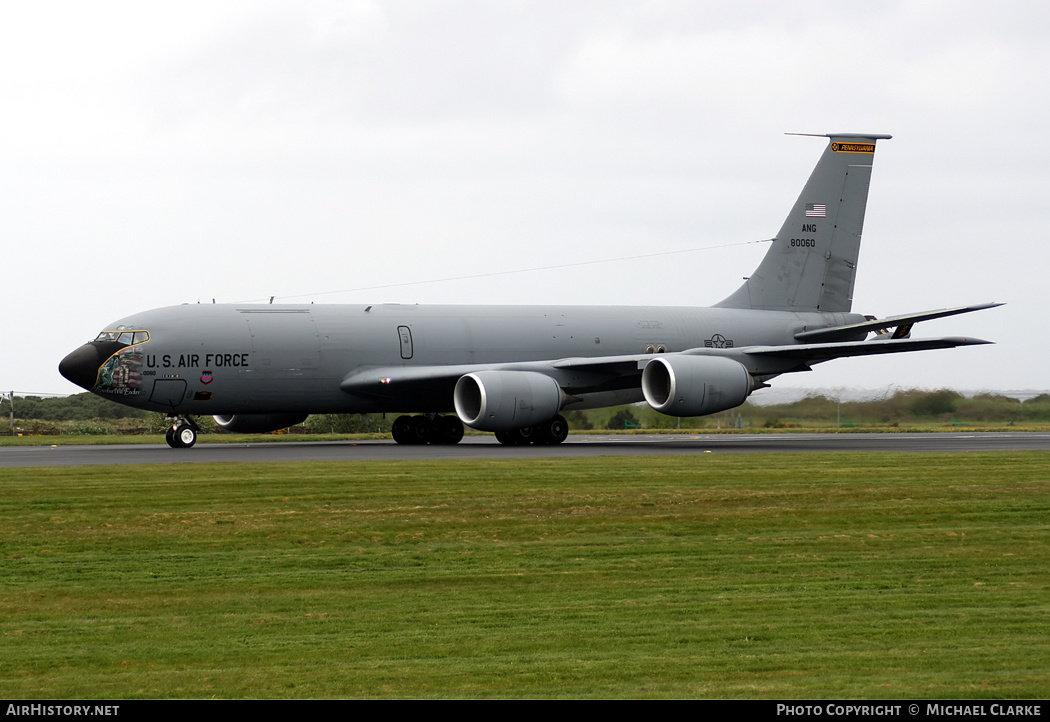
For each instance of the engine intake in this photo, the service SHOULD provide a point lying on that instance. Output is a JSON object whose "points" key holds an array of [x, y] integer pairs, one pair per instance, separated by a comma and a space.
{"points": [[680, 385], [258, 423], [505, 400]]}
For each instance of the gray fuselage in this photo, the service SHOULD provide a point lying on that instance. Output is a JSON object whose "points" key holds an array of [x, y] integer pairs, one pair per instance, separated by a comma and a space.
{"points": [[242, 359]]}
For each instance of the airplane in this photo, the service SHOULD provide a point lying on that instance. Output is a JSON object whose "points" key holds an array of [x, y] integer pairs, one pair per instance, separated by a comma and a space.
{"points": [[512, 370]]}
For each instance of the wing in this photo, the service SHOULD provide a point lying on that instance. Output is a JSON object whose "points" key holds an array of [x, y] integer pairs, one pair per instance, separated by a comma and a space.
{"points": [[433, 386]]}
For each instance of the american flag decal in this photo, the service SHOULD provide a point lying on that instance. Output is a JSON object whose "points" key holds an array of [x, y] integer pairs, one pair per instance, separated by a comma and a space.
{"points": [[816, 210]]}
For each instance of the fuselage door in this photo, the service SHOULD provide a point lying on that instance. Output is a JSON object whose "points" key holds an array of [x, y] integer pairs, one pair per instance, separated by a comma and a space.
{"points": [[405, 334], [168, 392]]}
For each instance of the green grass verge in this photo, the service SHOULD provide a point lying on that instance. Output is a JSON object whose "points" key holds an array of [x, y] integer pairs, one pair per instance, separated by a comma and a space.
{"points": [[782, 576], [113, 440], [81, 440]]}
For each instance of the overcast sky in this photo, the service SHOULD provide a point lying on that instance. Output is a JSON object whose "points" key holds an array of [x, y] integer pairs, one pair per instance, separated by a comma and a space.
{"points": [[155, 154]]}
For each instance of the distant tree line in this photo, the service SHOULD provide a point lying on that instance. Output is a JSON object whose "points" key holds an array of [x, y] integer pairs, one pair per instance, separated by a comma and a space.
{"points": [[900, 407], [79, 407], [912, 405]]}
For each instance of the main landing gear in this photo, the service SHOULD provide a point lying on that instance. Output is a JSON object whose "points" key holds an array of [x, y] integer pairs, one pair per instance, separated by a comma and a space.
{"points": [[548, 433], [427, 430], [449, 430], [182, 433]]}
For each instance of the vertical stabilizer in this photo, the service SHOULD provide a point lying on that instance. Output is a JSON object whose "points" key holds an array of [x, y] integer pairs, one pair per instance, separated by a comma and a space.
{"points": [[812, 263]]}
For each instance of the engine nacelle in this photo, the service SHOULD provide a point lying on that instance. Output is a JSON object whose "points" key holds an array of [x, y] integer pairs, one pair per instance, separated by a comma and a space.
{"points": [[680, 385], [258, 423], [505, 400]]}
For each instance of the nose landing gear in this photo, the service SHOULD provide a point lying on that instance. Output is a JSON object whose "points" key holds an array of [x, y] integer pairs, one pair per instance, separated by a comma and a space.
{"points": [[182, 433]]}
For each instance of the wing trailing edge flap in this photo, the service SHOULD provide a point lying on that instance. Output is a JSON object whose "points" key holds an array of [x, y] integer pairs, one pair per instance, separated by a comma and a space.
{"points": [[901, 325]]}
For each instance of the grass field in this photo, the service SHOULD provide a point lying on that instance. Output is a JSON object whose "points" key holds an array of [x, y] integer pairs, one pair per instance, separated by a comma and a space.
{"points": [[792, 576]]}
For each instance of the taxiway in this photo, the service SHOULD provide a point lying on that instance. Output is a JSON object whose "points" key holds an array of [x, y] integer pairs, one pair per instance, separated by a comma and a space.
{"points": [[485, 447]]}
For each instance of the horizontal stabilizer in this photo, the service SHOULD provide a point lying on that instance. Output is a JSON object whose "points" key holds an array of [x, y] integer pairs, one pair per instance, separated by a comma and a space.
{"points": [[840, 333]]}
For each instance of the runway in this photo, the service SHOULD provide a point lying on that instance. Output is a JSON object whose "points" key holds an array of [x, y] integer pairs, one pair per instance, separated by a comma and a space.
{"points": [[486, 447]]}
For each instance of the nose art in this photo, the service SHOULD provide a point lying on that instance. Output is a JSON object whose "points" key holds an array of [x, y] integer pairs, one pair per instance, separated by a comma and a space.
{"points": [[81, 366]]}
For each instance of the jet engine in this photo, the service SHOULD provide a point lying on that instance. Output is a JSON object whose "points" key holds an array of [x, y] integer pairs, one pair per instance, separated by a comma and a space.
{"points": [[258, 423], [505, 400], [680, 385]]}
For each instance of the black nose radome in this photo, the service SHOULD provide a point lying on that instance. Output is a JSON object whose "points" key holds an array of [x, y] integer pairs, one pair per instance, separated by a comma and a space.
{"points": [[81, 366]]}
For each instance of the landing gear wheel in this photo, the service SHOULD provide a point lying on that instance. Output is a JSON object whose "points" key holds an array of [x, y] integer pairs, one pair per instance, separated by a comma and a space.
{"points": [[446, 430], [525, 435], [421, 430], [184, 436], [181, 432], [401, 429], [415, 430], [554, 431], [517, 437]]}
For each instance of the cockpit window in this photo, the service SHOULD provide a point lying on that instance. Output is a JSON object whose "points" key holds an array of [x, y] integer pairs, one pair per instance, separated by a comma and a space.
{"points": [[125, 337]]}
